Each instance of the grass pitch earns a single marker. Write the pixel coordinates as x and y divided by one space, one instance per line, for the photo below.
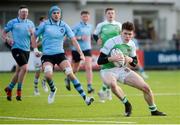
69 108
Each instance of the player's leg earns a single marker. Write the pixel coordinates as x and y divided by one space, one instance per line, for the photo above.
21 58
48 73
43 80
110 78
104 93
36 80
89 73
37 66
21 77
75 66
134 80
66 66
11 85
44 86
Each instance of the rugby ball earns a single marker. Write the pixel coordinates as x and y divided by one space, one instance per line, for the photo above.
117 51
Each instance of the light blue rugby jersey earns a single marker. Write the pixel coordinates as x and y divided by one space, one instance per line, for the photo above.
83 29
53 36
20 32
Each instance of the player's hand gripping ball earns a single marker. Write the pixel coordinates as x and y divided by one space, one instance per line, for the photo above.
117 51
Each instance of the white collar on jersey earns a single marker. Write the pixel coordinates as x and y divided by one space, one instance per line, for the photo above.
110 22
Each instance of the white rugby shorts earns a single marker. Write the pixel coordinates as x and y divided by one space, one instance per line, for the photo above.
119 73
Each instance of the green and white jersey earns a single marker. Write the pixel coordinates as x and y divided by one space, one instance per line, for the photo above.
128 49
39 39
106 30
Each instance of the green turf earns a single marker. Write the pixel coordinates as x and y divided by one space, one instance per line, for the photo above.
69 108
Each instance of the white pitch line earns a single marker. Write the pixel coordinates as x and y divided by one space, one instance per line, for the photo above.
66 120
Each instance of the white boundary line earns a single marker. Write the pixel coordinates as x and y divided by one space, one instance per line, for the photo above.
110 120
66 120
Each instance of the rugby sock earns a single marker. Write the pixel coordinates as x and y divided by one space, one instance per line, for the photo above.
108 87
128 107
127 104
44 80
89 86
19 88
79 88
68 78
51 85
104 87
153 108
124 100
11 86
36 82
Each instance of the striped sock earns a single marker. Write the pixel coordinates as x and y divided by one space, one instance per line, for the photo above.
51 85
79 88
11 86
19 88
36 82
153 108
89 86
124 100
104 87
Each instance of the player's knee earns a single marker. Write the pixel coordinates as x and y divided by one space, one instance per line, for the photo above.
113 86
88 67
68 70
48 70
146 89
24 68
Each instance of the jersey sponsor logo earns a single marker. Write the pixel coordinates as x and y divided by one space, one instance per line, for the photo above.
62 30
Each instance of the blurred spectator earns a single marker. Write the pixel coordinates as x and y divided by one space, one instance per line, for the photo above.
141 32
176 41
151 32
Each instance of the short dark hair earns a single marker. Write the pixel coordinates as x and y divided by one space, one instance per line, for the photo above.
41 18
23 6
128 26
107 9
84 12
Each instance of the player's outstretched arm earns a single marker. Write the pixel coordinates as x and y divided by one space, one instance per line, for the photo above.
75 43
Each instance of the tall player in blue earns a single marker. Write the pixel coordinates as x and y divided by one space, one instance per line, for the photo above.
53 31
22 34
83 31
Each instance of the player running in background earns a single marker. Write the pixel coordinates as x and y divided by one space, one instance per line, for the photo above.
22 33
38 65
105 30
83 31
53 31
110 74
